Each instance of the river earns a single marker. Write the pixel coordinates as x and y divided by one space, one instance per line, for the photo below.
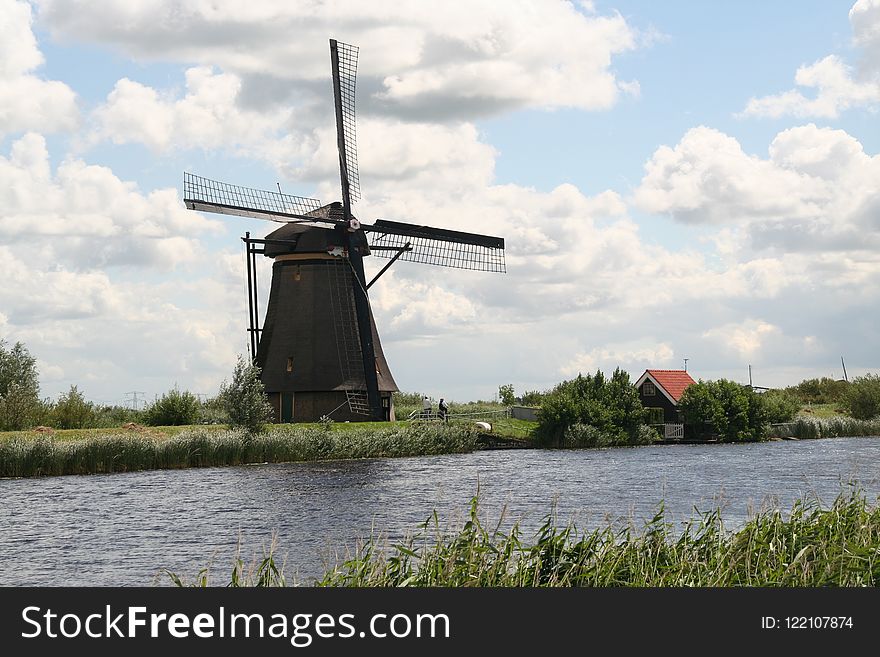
123 529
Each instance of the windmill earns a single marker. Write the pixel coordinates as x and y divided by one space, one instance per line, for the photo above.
318 348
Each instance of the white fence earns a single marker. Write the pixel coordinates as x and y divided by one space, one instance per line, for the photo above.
673 431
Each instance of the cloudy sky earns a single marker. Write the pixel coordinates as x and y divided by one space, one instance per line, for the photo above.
674 180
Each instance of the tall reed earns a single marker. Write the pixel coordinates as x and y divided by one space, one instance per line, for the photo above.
812 546
34 457
806 428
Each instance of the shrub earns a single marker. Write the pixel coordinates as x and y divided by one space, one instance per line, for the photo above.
586 435
213 411
532 398
780 405
735 412
116 416
506 394
406 402
72 411
244 399
173 408
862 398
610 405
819 391
19 387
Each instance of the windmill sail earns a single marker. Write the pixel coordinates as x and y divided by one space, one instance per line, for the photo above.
343 59
215 196
437 246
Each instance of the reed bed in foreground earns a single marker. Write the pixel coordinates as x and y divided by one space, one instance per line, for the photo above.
811 546
34 457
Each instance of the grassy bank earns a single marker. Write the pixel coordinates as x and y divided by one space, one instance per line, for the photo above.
822 410
65 435
811 546
34 456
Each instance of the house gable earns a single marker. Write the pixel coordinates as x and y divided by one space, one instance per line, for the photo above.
670 383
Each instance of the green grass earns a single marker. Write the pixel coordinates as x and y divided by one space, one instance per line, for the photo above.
811 546
509 427
64 435
822 411
28 456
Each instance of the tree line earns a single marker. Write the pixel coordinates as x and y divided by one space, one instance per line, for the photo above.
241 401
595 410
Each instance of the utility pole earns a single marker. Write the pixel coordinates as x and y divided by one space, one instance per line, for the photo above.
132 398
750 375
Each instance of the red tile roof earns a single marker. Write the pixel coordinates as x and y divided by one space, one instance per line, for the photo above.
673 381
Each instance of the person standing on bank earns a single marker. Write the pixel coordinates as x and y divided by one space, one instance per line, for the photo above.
443 410
426 407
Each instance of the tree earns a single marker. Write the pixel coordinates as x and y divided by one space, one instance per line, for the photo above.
532 398
245 399
19 387
862 398
780 405
72 411
819 391
733 411
611 406
506 395
173 408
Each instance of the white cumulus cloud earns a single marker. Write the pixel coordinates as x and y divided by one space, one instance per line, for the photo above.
27 102
816 191
835 86
456 61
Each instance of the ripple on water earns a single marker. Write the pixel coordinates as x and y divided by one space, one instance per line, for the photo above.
123 529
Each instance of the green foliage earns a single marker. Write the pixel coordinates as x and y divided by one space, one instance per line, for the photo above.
862 398
173 408
406 402
19 388
115 416
611 406
532 398
213 411
819 391
734 412
780 405
506 394
244 399
413 399
72 411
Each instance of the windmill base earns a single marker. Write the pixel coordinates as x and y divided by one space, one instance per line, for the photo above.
311 406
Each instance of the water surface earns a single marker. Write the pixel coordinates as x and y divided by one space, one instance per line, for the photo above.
122 529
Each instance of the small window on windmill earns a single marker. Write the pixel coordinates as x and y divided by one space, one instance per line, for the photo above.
296 274
648 389
378 371
290 363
